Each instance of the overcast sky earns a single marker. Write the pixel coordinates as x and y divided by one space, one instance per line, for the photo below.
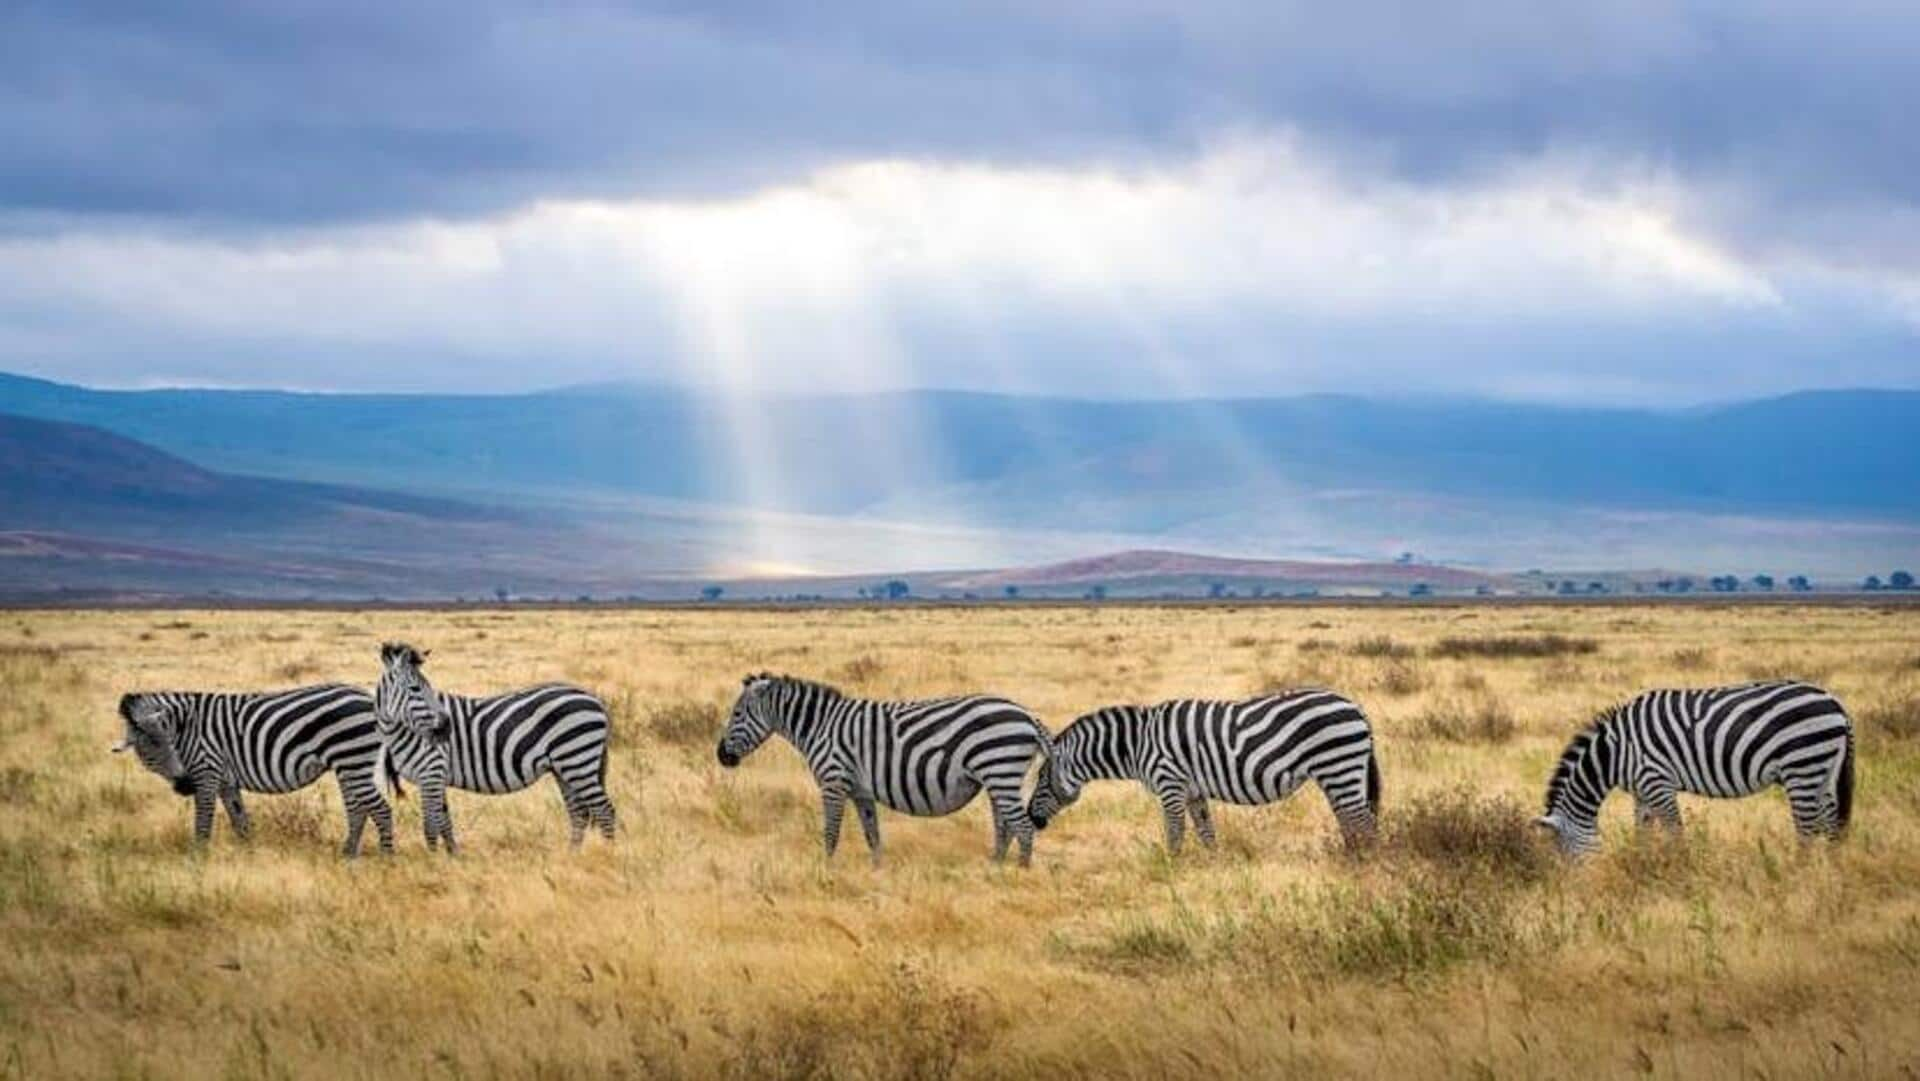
1635 202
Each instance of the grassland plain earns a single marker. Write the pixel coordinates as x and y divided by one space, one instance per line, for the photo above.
712 939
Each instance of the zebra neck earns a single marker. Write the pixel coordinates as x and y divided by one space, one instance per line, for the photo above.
1108 746
1589 770
804 721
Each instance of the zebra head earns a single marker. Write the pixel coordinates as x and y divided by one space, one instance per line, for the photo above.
1579 785
755 715
1061 775
1053 792
405 698
151 733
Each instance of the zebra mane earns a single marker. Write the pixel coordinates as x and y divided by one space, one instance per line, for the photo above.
1576 752
389 651
800 682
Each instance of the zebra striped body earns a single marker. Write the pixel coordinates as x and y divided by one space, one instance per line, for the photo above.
216 746
924 758
1721 741
1189 751
494 745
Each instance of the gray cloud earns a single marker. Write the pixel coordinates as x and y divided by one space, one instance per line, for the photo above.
239 112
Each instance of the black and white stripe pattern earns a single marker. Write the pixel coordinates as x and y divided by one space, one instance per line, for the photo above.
925 758
216 746
1189 751
1721 741
501 743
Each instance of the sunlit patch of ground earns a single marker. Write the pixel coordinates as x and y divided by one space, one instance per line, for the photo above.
713 939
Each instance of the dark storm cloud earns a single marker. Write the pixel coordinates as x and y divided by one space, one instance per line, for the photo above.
298 112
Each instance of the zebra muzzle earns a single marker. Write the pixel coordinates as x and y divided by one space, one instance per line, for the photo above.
727 758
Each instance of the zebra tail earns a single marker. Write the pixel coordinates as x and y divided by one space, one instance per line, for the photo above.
385 777
1043 737
1843 788
1373 781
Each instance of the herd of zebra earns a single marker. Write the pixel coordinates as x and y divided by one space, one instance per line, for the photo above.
933 757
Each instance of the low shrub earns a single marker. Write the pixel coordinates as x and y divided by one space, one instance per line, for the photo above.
1505 646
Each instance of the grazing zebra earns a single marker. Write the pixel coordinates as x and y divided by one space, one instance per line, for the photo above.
497 744
1188 751
220 745
925 758
1721 741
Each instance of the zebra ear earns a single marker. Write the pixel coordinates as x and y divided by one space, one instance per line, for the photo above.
418 657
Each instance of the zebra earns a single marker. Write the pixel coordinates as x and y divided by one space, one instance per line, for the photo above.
217 745
497 744
928 757
1187 751
1719 741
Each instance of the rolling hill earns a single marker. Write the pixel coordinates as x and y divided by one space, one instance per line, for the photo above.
669 482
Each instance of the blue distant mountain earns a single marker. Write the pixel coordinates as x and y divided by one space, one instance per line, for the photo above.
1815 453
618 488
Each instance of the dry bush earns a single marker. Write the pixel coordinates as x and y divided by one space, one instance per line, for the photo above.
860 670
1691 658
299 670
905 1022
685 722
298 819
1241 641
1506 646
1401 678
1482 720
1898 719
1314 645
1416 923
1381 646
1460 830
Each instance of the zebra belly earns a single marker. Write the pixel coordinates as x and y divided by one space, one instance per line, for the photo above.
297 774
957 793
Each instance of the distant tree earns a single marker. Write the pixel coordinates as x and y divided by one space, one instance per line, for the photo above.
1097 593
584 598
1596 587
1763 581
1872 582
1217 590
1899 580
1257 591
1724 583
711 593
896 589
1568 588
1011 592
1664 585
500 593
1404 558
1683 584
1799 583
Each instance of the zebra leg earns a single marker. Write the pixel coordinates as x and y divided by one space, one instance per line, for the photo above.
869 825
1010 821
576 812
586 794
1345 789
1202 819
439 820
1814 815
205 792
833 804
362 800
236 812
1173 807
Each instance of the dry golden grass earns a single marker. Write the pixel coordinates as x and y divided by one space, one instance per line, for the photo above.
712 940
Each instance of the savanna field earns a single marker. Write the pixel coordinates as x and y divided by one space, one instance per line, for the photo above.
712 939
